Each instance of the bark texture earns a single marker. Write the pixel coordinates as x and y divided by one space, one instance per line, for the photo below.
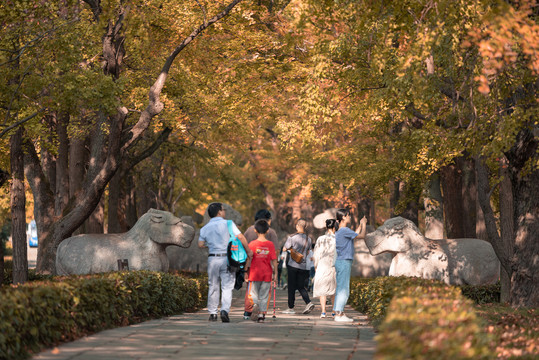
525 270
18 213
434 215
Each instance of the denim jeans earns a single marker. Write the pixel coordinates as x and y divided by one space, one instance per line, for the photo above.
343 269
219 278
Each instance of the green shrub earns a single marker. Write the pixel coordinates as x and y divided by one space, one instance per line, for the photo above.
372 297
482 294
40 314
32 275
431 322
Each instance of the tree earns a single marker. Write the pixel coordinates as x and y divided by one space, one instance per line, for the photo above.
113 133
455 79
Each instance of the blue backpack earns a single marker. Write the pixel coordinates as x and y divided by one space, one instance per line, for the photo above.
236 254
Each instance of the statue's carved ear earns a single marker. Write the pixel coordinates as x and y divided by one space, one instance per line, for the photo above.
155 218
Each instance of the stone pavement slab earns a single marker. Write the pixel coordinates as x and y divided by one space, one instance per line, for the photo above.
190 335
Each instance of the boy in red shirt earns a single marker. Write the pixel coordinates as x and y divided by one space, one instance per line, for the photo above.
263 271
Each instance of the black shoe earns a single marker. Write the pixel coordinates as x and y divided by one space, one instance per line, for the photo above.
213 317
224 316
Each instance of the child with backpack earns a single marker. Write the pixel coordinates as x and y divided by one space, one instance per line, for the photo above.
262 271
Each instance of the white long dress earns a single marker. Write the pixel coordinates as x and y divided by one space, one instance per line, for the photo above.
324 257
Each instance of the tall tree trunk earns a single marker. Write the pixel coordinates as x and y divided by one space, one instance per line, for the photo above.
130 202
434 214
43 200
480 227
468 215
113 221
525 275
18 212
394 196
364 209
507 227
95 222
48 159
451 179
77 168
4 237
2 254
62 165
410 210
373 213
119 202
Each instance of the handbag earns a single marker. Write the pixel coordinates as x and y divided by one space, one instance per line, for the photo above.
296 256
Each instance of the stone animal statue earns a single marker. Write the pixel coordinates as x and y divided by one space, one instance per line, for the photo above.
456 262
192 258
143 246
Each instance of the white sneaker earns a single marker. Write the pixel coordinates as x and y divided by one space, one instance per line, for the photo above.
308 308
322 315
343 318
289 311
255 312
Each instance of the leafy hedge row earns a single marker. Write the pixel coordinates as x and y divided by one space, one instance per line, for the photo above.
41 314
372 296
432 323
422 319
32 275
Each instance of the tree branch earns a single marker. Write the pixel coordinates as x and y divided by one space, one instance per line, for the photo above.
133 161
155 106
18 123
203 11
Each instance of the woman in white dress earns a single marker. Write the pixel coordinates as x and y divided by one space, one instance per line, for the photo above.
324 258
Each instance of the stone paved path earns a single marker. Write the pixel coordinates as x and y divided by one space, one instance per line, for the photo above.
191 336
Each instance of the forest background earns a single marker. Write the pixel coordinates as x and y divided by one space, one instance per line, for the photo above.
420 108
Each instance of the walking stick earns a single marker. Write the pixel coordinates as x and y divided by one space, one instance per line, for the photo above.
274 301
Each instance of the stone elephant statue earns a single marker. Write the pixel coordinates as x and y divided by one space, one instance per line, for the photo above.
143 246
454 261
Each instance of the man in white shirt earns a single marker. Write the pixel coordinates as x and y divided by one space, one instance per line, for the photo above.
214 235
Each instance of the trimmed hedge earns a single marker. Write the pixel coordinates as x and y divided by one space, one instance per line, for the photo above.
42 314
372 296
432 323
482 294
32 275
422 319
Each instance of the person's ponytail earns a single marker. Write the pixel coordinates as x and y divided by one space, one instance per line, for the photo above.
332 224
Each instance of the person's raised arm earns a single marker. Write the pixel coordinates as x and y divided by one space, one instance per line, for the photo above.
362 228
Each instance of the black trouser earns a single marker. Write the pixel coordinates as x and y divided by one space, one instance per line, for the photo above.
279 272
296 281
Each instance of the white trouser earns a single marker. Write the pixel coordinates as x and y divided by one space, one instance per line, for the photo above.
260 294
219 275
